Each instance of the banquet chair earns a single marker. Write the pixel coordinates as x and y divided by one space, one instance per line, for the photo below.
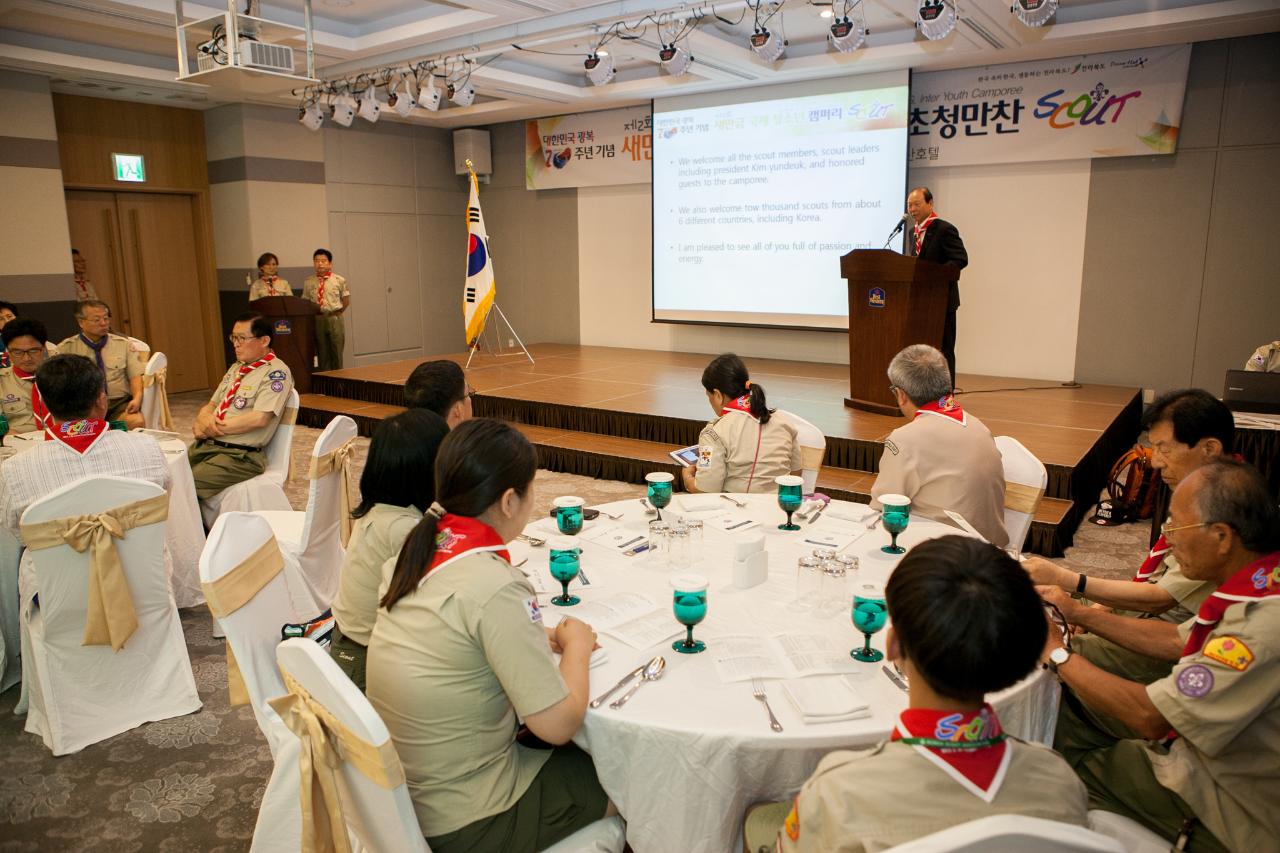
1010 833
317 537
1025 479
265 491
813 444
138 345
155 399
81 694
1133 836
10 632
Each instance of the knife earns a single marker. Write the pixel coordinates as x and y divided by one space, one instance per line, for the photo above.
599 700
893 676
819 512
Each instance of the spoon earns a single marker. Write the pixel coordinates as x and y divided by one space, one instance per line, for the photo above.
638 672
652 672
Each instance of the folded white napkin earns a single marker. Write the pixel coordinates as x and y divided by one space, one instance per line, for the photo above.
691 503
826 699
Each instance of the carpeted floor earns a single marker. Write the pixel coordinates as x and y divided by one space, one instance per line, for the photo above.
195 782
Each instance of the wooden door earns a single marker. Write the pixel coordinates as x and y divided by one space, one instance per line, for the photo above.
95 231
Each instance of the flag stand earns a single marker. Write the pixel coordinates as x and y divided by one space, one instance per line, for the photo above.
483 339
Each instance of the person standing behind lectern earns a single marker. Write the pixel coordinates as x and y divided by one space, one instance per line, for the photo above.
937 240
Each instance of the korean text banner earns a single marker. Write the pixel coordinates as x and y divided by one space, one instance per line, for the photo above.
589 149
1101 105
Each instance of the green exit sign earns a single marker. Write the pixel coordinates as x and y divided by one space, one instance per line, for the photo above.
129 167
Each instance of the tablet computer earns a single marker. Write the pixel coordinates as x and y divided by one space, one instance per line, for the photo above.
686 456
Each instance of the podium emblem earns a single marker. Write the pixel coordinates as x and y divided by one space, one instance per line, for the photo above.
875 297
283 327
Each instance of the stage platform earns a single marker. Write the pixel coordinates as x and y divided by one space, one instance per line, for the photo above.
614 413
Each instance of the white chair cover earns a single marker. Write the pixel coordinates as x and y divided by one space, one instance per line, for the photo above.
155 399
1133 836
1012 834
314 537
10 624
1025 479
265 491
813 444
607 835
80 695
139 345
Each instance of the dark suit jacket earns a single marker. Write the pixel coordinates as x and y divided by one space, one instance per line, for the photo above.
942 245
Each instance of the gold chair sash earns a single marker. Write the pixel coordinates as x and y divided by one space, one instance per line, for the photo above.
110 618
158 379
1022 498
326 745
234 590
811 457
339 460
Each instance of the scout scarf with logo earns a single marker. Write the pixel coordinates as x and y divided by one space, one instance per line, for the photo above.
245 370
968 747
1154 558
920 229
1259 579
741 404
78 435
458 536
321 278
43 419
945 407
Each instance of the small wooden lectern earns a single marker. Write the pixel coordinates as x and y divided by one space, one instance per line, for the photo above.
293 336
894 301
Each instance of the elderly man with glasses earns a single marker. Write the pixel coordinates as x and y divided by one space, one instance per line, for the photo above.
121 363
235 425
26 342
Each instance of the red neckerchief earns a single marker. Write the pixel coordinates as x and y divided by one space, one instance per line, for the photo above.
1259 579
945 407
980 756
321 278
78 435
741 404
921 228
458 536
38 409
82 287
245 370
1154 558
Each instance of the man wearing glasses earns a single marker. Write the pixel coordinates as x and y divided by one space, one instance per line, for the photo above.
26 342
121 364
235 425
440 387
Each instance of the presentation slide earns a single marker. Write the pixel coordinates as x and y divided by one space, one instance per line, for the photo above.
757 194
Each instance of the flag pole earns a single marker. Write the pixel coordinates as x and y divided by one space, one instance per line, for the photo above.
479 290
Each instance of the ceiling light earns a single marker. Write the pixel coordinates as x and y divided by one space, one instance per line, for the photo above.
600 70
370 106
429 98
1034 13
464 96
311 117
402 100
768 46
847 36
936 19
825 13
344 109
675 60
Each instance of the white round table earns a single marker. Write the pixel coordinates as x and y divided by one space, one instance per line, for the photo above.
686 756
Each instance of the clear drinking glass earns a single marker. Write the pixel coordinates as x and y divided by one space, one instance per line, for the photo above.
835 588
568 511
660 542
695 528
679 547
808 584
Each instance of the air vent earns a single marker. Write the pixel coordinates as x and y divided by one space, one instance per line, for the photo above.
272 57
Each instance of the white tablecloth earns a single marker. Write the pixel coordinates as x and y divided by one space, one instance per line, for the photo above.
688 754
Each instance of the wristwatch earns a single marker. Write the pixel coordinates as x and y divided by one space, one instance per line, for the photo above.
1058 657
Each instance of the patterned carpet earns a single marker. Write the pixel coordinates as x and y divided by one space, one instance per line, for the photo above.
195 782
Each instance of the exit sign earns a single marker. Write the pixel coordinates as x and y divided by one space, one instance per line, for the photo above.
129 167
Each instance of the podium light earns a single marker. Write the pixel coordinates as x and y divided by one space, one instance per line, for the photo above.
370 106
429 98
464 96
936 19
1034 13
311 117
600 69
402 100
768 46
847 36
344 109
674 60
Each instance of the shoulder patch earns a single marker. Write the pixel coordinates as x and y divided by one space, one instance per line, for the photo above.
711 434
1230 651
1195 681
705 452
276 374
792 823
531 608
891 447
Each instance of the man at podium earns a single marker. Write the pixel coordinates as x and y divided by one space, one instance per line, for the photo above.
937 240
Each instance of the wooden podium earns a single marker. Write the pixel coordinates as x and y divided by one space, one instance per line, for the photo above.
894 301
293 336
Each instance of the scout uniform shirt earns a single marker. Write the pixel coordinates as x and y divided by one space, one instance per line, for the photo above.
736 453
335 287
19 398
121 360
945 459
1223 701
875 799
264 389
1265 359
274 286
450 666
377 538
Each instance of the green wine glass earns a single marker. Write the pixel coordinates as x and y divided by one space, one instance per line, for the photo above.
869 615
896 514
565 562
568 510
659 490
790 497
689 602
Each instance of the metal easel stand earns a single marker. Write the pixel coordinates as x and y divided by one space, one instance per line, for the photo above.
482 339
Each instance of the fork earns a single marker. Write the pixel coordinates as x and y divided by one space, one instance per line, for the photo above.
612 516
757 690
531 540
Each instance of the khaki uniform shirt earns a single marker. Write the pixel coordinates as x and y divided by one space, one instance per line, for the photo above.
875 799
335 287
738 454
449 668
122 361
1224 703
261 289
1188 594
85 290
377 538
941 464
15 401
1265 359
264 389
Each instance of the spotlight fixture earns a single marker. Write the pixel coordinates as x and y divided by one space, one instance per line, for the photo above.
402 100
936 19
463 96
600 69
825 13
344 109
311 116
674 60
429 98
847 36
1034 13
768 46
370 106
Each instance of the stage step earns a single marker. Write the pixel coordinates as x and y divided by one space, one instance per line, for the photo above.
628 460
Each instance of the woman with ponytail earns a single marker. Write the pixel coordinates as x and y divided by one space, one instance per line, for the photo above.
745 447
459 651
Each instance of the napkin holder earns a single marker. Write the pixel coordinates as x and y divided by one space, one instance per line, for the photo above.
750 562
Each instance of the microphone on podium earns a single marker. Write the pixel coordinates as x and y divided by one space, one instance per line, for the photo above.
897 228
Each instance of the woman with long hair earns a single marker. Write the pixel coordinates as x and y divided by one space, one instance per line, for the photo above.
745 447
459 652
396 487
